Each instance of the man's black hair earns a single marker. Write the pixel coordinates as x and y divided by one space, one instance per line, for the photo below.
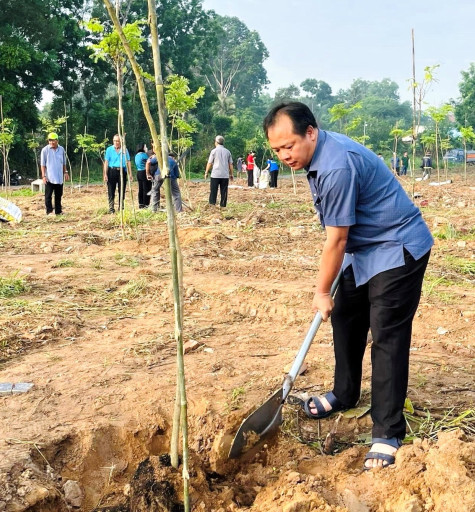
300 115
140 148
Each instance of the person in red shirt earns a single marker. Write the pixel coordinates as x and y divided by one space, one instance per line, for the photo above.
250 169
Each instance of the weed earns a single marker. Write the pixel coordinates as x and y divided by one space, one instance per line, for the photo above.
22 192
97 263
21 306
65 263
448 232
421 380
237 396
126 261
274 205
239 208
11 286
142 216
461 265
427 425
135 289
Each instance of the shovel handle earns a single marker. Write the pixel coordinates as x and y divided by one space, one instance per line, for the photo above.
302 353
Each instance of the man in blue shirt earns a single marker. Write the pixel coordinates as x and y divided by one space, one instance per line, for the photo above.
53 172
273 168
116 166
377 235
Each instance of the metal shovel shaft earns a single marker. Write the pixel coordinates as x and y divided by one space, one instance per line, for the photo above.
303 351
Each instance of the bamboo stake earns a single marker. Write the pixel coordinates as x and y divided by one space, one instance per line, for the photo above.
414 128
163 164
6 170
175 252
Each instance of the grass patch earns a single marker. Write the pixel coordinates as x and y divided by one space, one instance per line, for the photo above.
17 306
141 216
126 261
21 192
237 396
135 288
448 232
97 263
461 265
65 263
425 425
239 208
12 286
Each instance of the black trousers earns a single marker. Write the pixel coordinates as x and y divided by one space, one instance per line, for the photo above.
113 183
386 305
57 189
273 179
222 184
145 186
250 178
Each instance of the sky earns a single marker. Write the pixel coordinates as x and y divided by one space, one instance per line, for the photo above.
338 41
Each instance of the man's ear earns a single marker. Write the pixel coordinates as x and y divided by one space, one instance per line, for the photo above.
311 132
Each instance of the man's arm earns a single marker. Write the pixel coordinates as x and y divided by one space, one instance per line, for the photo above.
231 174
43 172
129 169
106 168
208 167
147 170
65 173
330 263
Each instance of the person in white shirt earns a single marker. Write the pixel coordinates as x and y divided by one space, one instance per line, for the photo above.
221 163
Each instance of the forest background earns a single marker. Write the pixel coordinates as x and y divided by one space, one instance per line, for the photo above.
46 45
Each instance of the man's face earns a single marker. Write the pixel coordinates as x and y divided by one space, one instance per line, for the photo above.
294 150
116 142
53 143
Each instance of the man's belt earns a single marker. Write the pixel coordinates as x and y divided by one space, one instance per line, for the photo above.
117 168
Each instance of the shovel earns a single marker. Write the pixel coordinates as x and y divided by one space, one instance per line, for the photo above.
267 419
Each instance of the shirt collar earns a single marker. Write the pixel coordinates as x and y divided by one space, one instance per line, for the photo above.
313 165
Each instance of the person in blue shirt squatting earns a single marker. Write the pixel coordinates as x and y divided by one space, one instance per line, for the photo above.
116 161
154 175
378 237
145 185
273 168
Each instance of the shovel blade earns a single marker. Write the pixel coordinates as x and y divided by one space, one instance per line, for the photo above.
264 421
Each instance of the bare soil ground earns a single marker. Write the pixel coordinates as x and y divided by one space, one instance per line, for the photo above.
94 332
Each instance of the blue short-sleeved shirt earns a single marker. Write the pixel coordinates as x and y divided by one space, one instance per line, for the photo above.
273 165
352 187
173 166
140 161
113 158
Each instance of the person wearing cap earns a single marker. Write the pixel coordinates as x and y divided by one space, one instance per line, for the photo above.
116 161
221 163
377 237
53 172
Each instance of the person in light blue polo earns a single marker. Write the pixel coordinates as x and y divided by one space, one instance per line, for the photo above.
116 167
376 234
53 172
